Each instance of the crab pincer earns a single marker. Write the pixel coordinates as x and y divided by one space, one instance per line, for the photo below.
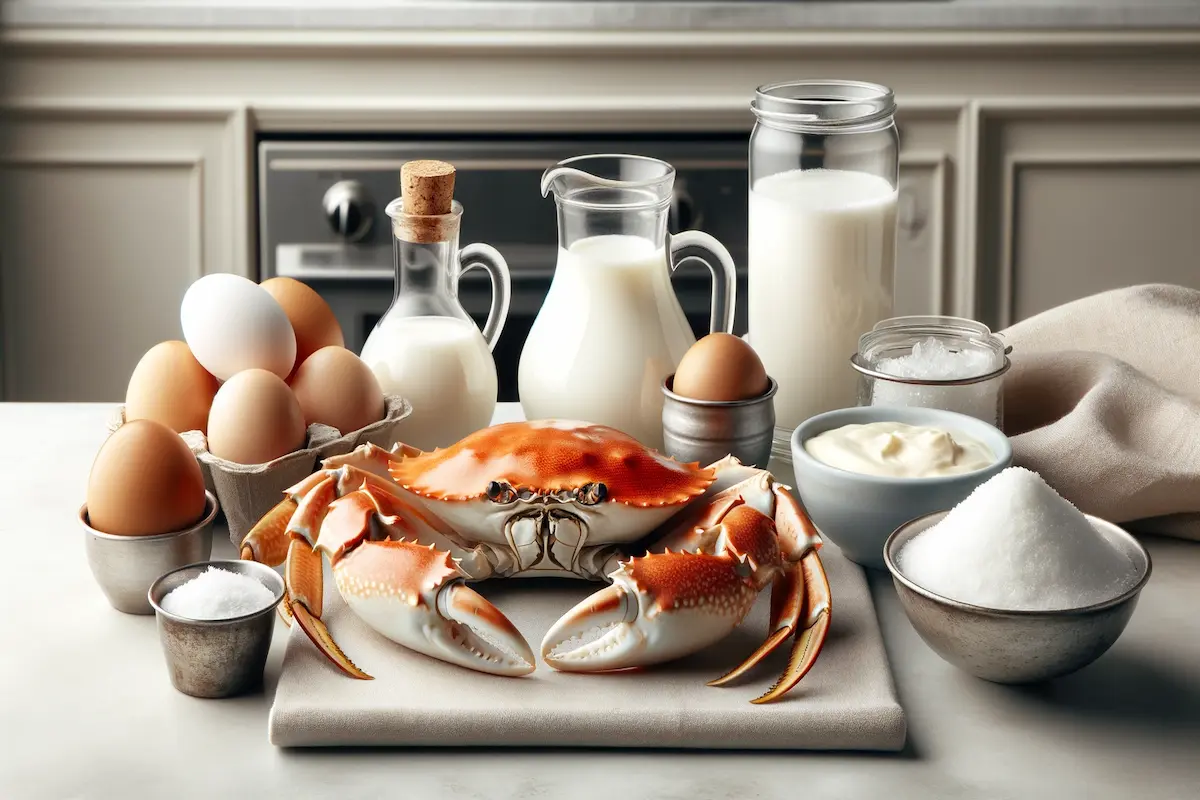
669 604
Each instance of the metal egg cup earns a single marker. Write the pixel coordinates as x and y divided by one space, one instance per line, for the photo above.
708 430
220 657
126 566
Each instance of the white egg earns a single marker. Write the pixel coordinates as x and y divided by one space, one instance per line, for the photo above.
231 324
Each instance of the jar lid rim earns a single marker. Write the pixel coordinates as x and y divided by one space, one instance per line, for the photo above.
823 103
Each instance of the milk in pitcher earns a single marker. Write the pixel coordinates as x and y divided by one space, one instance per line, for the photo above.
821 255
608 334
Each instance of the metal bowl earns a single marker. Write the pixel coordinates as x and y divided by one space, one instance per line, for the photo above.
708 430
219 657
1016 646
125 566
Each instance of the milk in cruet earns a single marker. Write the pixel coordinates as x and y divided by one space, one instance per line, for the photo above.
426 347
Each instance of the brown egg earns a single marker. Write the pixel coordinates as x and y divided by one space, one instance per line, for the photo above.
311 317
336 388
144 481
169 386
255 418
722 367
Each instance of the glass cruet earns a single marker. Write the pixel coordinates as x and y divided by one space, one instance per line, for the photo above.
426 347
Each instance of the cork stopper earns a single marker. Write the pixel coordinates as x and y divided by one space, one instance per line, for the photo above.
427 191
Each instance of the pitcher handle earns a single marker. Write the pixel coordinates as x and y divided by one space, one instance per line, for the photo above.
488 259
704 248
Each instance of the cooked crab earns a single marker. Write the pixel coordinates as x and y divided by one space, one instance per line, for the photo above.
405 531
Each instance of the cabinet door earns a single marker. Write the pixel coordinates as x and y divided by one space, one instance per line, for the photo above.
1083 201
925 229
107 220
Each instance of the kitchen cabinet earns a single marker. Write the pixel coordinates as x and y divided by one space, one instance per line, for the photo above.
107 221
1036 166
1083 200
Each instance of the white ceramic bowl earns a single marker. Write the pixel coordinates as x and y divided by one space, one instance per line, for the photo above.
858 512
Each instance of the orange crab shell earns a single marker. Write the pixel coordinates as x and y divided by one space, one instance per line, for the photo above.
553 456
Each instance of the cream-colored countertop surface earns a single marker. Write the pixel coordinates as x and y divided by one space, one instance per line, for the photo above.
87 709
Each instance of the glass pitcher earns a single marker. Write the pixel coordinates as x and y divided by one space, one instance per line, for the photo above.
426 347
611 329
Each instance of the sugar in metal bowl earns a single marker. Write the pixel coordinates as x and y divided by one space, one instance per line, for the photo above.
1016 646
126 566
216 657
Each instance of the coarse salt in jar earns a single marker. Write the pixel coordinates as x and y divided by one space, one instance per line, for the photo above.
949 363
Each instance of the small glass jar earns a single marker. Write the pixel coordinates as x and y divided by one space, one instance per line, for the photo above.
949 363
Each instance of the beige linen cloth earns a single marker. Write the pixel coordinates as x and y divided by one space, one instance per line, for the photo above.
1103 399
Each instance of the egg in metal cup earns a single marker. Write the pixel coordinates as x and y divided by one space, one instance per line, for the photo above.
126 566
719 402
708 430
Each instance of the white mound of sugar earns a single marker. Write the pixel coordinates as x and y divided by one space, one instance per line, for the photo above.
1016 544
217 594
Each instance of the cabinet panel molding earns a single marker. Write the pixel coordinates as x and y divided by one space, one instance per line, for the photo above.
79 309
162 195
1100 134
934 223
1010 223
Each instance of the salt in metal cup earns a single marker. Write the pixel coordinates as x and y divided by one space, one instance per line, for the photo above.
708 430
126 566
219 657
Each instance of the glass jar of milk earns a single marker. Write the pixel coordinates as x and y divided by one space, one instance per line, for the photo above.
823 176
426 347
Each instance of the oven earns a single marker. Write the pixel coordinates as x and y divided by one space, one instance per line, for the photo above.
321 219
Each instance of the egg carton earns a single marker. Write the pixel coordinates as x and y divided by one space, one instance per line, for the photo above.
248 491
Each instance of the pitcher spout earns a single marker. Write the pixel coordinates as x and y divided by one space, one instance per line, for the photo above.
610 180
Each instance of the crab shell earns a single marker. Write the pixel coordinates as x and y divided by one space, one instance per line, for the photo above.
547 463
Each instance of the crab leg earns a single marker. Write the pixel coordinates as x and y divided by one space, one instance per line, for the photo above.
304 584
802 585
411 593
816 625
666 605
787 601
750 533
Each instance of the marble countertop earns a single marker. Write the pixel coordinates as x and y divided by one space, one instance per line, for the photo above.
643 15
88 709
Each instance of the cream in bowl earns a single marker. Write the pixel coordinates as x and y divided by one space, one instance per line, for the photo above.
1015 584
899 450
864 471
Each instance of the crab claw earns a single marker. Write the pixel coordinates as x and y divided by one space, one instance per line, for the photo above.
413 595
659 607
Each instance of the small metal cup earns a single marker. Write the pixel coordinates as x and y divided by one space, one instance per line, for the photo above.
125 566
220 657
708 430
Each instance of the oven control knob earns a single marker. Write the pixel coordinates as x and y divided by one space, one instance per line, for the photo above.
348 209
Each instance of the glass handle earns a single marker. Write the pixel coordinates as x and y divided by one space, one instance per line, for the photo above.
488 259
710 252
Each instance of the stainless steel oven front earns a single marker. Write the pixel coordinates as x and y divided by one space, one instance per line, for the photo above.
321 219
